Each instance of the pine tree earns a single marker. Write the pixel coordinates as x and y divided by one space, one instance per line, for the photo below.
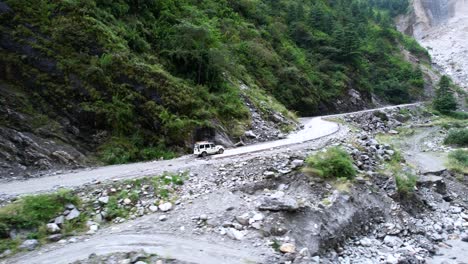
444 100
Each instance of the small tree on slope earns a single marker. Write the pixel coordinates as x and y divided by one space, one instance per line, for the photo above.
444 100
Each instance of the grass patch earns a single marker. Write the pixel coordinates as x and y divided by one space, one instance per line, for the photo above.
458 161
31 214
406 183
457 137
331 164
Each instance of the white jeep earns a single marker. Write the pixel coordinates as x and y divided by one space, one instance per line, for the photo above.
202 149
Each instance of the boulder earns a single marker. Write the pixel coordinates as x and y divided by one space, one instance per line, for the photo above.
165 207
287 248
279 204
52 228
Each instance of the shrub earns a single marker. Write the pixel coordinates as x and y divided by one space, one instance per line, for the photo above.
460 156
444 100
405 183
457 137
458 162
334 163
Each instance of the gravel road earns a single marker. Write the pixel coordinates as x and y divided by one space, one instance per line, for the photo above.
314 128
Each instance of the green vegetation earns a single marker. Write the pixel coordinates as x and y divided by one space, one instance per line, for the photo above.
457 137
31 214
333 163
458 161
405 183
151 72
444 100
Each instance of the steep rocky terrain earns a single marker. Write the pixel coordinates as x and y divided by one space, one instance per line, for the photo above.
90 82
269 209
442 27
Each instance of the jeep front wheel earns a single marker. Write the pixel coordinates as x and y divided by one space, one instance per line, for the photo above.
204 154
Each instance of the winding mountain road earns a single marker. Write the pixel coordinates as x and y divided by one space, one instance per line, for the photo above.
314 128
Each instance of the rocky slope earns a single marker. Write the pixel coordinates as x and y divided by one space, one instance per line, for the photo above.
442 27
266 209
119 82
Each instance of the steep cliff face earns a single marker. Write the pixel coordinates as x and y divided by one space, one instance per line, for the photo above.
442 27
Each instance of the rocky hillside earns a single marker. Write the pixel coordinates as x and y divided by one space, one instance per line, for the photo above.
441 26
122 81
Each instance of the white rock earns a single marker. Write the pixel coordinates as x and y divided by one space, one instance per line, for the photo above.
127 201
163 218
153 208
104 199
165 207
234 234
53 228
243 219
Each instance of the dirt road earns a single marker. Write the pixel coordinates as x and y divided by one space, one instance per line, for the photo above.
314 128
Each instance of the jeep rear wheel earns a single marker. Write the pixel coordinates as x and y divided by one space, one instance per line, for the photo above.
221 151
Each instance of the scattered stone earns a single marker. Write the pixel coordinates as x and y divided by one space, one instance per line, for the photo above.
127 201
243 219
54 237
163 218
393 241
165 207
287 248
234 234
52 228
29 244
104 199
279 204
73 214
297 163
59 220
153 208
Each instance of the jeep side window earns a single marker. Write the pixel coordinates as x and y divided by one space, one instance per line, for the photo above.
202 146
212 145
207 146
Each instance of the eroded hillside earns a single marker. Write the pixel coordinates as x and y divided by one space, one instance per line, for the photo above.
122 81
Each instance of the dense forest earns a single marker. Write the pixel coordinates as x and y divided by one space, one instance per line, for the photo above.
149 72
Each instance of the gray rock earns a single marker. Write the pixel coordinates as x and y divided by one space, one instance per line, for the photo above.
54 237
73 214
29 244
243 219
59 220
279 204
393 241
297 163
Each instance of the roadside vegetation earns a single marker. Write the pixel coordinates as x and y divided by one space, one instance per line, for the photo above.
27 217
457 137
149 73
334 163
458 162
